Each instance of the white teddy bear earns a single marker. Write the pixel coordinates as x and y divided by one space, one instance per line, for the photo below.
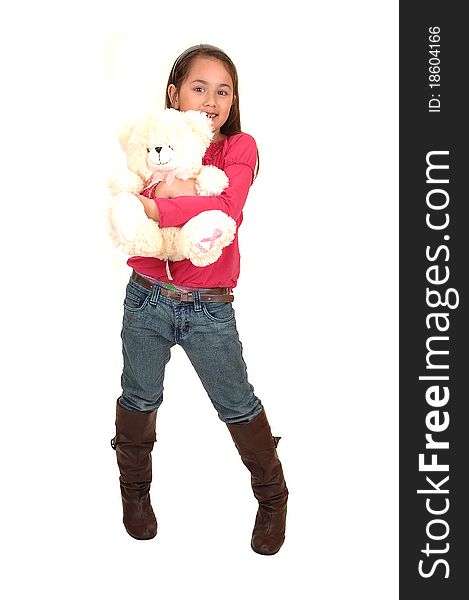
161 148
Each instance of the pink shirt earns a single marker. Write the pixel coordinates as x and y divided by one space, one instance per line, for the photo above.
236 155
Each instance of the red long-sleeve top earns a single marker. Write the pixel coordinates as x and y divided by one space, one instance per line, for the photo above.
236 155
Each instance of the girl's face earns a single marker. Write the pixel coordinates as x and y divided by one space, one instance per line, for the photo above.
208 87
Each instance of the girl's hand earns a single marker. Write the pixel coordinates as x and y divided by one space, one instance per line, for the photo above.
151 210
179 187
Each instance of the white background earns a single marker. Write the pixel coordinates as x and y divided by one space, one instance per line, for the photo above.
318 91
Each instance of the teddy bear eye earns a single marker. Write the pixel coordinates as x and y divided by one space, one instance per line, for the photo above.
148 149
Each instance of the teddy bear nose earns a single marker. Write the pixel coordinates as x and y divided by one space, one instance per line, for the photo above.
158 148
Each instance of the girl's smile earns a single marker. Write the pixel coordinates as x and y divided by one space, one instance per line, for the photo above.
208 87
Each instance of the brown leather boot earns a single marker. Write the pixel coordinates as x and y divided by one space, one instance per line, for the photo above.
133 443
257 448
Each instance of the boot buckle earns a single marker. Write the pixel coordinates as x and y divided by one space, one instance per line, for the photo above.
113 443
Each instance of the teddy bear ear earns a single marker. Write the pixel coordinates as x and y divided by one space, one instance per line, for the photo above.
124 134
134 131
133 140
200 123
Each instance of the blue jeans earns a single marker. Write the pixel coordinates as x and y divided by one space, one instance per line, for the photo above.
206 331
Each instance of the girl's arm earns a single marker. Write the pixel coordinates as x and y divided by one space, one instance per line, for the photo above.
179 187
162 190
239 166
151 210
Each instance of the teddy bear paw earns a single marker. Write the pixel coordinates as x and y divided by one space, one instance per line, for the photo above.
204 237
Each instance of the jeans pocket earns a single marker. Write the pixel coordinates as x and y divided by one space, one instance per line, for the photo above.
136 297
219 312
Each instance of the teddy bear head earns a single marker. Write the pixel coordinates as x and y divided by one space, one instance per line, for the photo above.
167 145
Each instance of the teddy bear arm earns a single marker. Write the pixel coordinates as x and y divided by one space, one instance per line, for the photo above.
125 180
131 230
211 181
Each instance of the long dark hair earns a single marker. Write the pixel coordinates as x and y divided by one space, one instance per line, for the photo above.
179 73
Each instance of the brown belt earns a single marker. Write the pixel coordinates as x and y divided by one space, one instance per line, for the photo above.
206 294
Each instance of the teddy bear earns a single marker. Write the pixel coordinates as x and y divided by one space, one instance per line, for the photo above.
163 147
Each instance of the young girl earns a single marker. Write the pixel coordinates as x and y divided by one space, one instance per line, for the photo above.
179 303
